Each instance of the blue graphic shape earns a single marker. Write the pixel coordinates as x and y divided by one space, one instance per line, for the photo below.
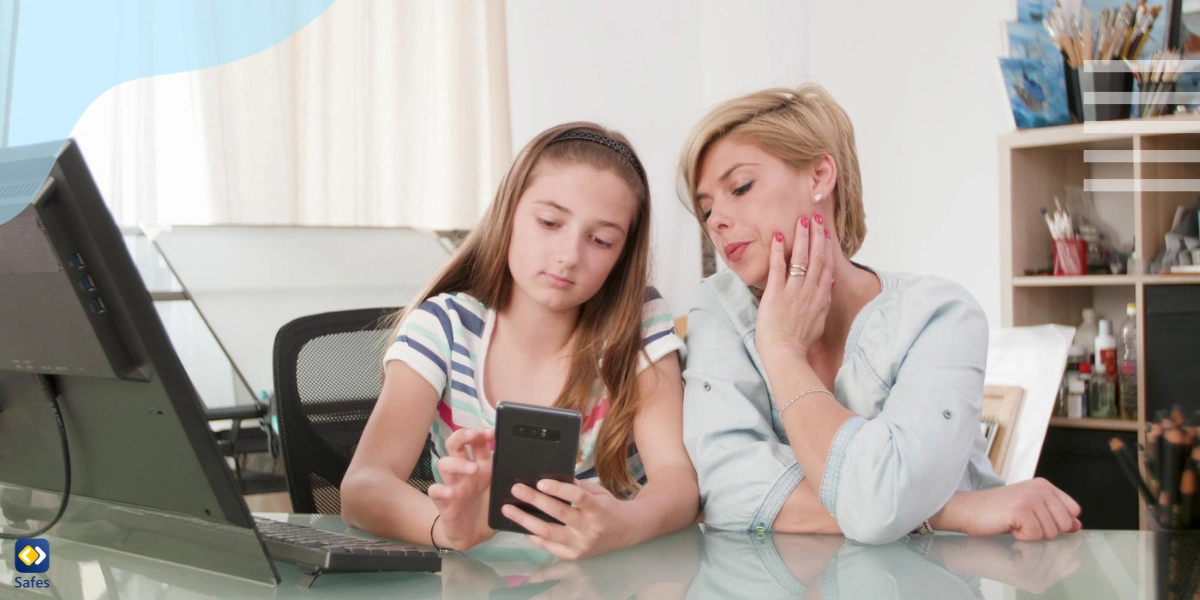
69 52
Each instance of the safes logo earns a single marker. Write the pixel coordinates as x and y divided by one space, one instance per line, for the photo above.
33 555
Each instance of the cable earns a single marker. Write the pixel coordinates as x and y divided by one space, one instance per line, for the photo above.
51 390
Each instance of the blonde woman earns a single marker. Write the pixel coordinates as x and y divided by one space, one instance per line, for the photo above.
824 396
545 303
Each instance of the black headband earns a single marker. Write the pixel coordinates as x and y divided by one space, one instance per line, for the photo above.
603 140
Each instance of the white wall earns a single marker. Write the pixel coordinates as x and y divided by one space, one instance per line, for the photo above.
649 70
922 87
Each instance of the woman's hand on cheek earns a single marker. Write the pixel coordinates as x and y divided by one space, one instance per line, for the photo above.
462 497
593 519
791 315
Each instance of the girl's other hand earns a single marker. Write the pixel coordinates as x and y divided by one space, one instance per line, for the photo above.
462 497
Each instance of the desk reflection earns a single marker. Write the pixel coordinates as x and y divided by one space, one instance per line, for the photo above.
829 567
509 568
690 564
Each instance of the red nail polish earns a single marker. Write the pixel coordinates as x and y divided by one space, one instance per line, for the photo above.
778 236
818 219
832 285
804 222
826 234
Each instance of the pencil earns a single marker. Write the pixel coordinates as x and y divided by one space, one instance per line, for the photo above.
1187 497
1129 466
1195 464
1153 452
1173 464
1164 510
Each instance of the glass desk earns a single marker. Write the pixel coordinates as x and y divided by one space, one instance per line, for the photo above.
688 564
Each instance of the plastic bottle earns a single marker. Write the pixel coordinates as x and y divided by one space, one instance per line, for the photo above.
1102 393
1077 395
1075 356
1127 376
1075 402
1085 335
1106 350
1134 266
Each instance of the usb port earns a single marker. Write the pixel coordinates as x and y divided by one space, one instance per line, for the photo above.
77 261
87 283
98 306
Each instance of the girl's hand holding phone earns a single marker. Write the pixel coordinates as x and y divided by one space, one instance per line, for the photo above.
462 497
594 521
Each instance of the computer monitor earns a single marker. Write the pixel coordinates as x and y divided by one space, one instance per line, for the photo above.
147 477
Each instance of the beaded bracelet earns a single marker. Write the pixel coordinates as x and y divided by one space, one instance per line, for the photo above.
803 394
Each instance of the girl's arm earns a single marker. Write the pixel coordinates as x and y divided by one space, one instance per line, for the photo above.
376 496
670 500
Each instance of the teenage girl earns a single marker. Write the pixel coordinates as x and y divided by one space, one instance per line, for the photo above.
545 303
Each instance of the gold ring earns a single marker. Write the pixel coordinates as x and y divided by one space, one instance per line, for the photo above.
797 270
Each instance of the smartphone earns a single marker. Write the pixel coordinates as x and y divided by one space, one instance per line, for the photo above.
532 443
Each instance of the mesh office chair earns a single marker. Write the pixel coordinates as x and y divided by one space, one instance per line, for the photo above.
328 374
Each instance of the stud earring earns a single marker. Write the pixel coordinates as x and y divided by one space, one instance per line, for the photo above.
818 197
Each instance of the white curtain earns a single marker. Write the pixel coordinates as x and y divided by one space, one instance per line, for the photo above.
144 146
376 113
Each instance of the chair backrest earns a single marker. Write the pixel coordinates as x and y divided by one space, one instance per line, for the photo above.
328 374
1001 406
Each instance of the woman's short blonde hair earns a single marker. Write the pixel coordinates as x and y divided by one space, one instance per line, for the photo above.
797 126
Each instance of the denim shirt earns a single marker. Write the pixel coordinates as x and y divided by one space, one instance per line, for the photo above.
912 372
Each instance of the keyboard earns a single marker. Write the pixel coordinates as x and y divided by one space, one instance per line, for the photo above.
318 551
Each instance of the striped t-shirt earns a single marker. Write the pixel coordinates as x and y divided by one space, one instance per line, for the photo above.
446 341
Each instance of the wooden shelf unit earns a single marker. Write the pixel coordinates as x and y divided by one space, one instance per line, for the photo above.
1104 280
1098 424
1037 165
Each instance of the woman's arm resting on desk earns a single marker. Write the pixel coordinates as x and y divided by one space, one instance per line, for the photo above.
1030 510
882 477
748 478
803 512
745 473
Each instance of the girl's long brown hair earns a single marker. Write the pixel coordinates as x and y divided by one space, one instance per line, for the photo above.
608 337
